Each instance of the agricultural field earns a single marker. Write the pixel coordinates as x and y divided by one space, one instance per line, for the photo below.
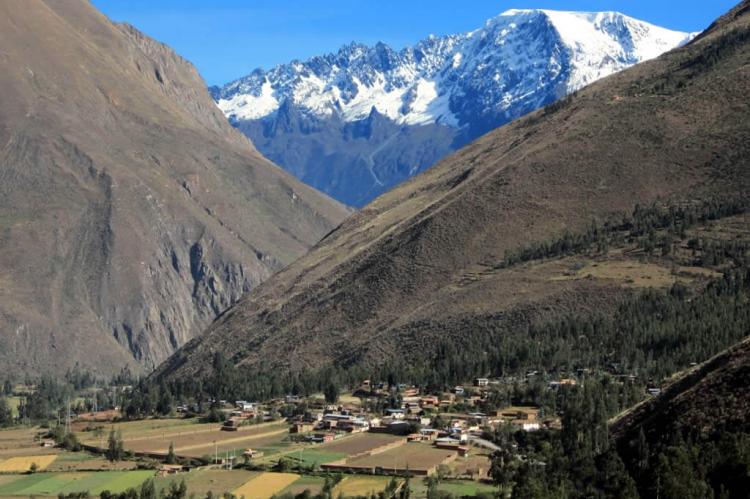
193 439
458 488
201 482
360 485
25 463
414 456
265 485
360 443
92 433
475 466
314 456
52 484
306 482
83 461
22 442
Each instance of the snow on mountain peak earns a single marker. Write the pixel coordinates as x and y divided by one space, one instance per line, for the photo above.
516 62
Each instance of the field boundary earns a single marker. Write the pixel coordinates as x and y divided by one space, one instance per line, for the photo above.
378 450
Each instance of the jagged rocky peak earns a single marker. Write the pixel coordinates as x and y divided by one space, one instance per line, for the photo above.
424 83
440 94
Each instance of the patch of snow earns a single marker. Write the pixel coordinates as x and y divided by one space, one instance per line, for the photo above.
250 107
516 60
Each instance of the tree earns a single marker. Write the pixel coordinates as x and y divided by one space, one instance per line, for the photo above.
676 476
176 491
405 492
7 387
33 468
70 442
171 458
613 479
432 483
6 414
148 490
331 392
214 415
164 406
115 448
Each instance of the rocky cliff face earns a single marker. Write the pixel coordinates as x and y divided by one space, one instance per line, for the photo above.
131 212
435 97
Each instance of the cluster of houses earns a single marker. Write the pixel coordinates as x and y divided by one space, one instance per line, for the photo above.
414 418
419 417
243 411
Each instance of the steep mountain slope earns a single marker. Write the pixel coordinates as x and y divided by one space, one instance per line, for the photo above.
425 260
422 260
692 440
131 212
357 122
703 399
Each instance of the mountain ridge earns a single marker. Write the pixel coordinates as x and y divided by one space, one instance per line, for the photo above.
131 212
425 258
437 95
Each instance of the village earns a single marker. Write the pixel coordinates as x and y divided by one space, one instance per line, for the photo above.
364 439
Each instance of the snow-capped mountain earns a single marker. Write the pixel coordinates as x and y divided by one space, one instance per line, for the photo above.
357 122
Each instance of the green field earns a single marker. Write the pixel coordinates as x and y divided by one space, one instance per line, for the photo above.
458 488
52 484
312 483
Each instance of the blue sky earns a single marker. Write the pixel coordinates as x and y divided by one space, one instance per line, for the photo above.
227 39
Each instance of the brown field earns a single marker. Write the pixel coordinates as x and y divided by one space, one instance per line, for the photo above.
628 272
190 439
82 461
139 430
206 442
415 456
476 465
23 464
359 443
265 485
201 482
354 486
22 442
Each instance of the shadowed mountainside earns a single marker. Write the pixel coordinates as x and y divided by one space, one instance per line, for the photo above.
704 399
131 212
